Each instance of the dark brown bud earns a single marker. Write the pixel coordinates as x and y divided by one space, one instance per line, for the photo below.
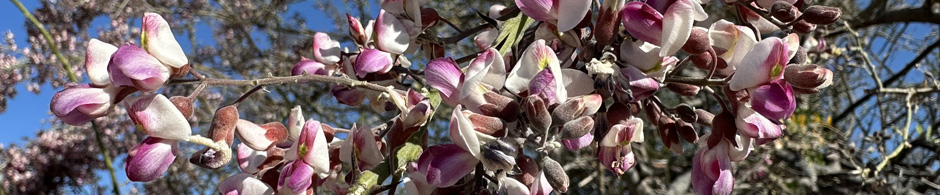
722 64
537 112
683 89
800 57
722 126
606 28
429 17
555 174
328 132
578 106
698 41
500 106
808 76
704 117
529 169
803 27
486 124
577 128
686 131
703 60
686 113
618 112
184 105
821 15
783 11
653 112
223 124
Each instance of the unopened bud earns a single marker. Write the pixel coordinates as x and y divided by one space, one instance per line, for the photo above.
555 174
822 15
223 124
722 127
653 112
578 106
803 27
783 11
800 57
529 169
486 124
429 17
577 128
184 104
703 60
537 112
498 155
500 106
618 112
808 76
683 89
356 32
698 41
686 113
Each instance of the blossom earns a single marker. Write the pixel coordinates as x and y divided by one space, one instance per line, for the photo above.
367 151
325 50
149 160
486 71
373 61
79 104
249 159
711 171
157 38
260 137
764 63
307 66
131 66
312 148
734 41
565 14
615 151
243 183
664 23
296 176
97 56
158 117
537 57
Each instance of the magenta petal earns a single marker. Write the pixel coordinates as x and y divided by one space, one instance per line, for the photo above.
725 181
367 150
577 144
296 176
541 186
307 66
444 75
642 85
149 160
373 60
312 147
642 22
540 10
325 50
544 85
79 104
446 164
774 100
348 96
701 184
764 63
133 67
755 125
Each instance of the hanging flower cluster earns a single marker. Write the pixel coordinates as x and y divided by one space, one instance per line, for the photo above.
567 82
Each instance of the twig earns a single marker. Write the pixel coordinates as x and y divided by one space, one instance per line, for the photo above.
107 158
245 96
697 81
905 133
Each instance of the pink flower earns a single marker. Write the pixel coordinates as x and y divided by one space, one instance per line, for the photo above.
325 50
539 56
773 100
131 66
664 23
79 104
249 159
373 60
444 165
307 66
312 148
97 56
391 35
157 38
158 117
149 160
764 63
367 153
711 170
297 176
260 137
565 14
243 183
615 151
641 85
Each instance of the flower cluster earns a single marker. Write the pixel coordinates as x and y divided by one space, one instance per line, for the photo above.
573 83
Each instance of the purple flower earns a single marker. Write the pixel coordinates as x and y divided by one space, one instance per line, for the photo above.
367 152
444 165
79 104
149 160
307 66
764 63
773 100
297 176
565 14
131 66
373 60
158 117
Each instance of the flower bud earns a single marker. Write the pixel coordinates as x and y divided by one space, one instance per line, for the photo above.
486 124
555 174
686 131
723 126
295 123
821 15
347 95
668 133
223 124
607 22
698 41
686 113
498 155
183 104
808 76
803 27
537 112
783 11
500 106
373 61
578 106
148 160
356 32
418 114
683 89
577 128
799 58
308 66
529 169
618 112
642 22
703 60
704 117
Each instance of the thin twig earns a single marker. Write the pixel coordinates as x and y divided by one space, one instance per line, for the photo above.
106 157
697 81
52 45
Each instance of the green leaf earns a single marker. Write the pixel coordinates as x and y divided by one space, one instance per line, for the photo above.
512 31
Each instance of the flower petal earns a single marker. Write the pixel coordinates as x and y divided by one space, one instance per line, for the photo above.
574 83
536 57
545 86
368 151
325 50
765 62
244 183
373 60
157 38
736 40
391 35
643 22
295 123
446 164
678 20
755 125
296 176
774 100
641 54
133 67
540 186
577 144
463 134
571 12
97 56
307 66
510 186
444 75
258 137
313 149
540 10
148 160
158 117
79 104
249 159
485 39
